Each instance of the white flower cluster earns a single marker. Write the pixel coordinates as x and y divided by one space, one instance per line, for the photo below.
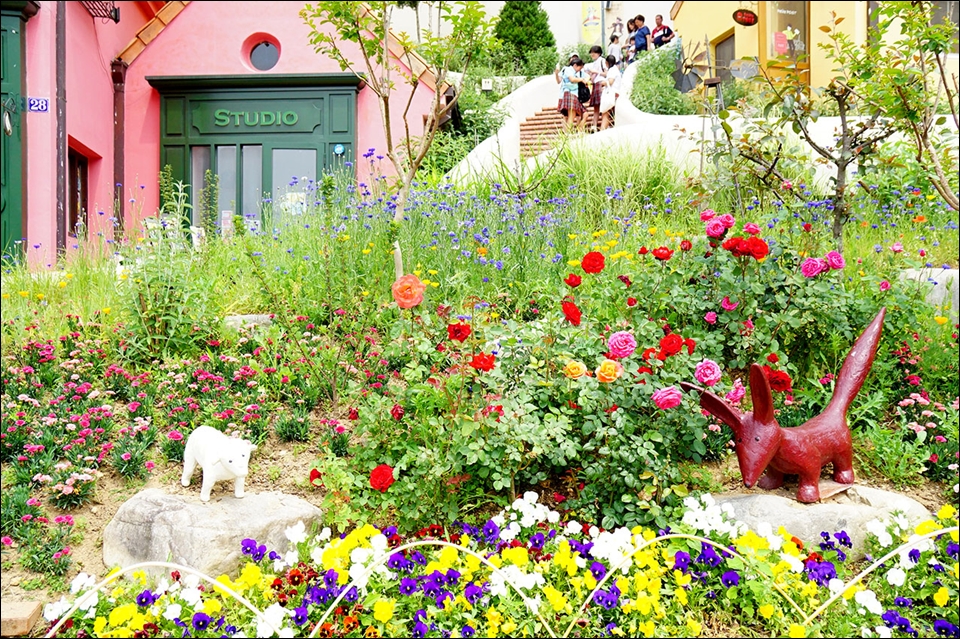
709 516
616 547
517 577
525 512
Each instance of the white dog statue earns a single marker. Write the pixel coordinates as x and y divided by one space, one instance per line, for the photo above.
219 456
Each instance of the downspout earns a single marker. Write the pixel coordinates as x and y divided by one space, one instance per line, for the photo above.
118 72
61 43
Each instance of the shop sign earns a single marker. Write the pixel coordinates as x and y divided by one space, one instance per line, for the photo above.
256 116
225 117
745 17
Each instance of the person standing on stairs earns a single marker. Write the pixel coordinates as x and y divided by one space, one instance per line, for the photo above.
642 40
570 79
610 83
596 70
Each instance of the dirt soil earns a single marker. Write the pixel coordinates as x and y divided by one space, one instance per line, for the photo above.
285 467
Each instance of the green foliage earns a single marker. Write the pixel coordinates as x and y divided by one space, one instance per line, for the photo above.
653 90
45 548
210 203
523 26
18 511
167 188
292 428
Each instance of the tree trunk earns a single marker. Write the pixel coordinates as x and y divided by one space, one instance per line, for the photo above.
397 220
840 206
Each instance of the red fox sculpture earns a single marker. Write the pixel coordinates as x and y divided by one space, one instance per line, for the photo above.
762 445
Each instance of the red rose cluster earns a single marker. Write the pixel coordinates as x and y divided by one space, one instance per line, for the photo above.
483 362
751 246
671 344
571 311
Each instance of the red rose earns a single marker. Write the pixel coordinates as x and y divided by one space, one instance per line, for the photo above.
571 312
647 354
592 262
397 412
772 358
686 245
573 281
631 302
662 253
314 477
626 280
381 478
459 331
491 409
757 248
671 344
483 362
779 380
690 344
645 369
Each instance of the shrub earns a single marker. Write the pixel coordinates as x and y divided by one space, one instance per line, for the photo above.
653 90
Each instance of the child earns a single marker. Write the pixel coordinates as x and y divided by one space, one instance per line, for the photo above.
570 77
614 48
610 83
596 71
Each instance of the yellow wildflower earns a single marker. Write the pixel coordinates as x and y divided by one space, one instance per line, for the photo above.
365 251
797 631
383 610
652 230
940 319
106 310
40 296
573 263
62 284
365 293
24 293
766 611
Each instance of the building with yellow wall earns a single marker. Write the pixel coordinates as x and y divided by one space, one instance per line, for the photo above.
789 29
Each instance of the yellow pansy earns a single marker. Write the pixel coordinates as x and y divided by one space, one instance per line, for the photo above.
947 512
766 611
646 628
927 526
694 627
212 606
797 631
225 580
517 556
942 596
681 596
99 625
508 627
121 614
383 610
557 601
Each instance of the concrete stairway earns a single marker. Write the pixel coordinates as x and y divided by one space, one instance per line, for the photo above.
538 133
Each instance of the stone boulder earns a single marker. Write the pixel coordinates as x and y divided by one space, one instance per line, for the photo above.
849 510
156 526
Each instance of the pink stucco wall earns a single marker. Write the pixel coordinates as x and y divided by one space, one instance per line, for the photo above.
90 46
207 39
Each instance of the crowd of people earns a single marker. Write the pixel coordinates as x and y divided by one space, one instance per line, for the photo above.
589 90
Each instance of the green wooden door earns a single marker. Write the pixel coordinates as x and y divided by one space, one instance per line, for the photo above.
11 140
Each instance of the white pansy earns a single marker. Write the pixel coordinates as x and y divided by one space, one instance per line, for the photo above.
531 497
358 575
533 604
296 533
883 632
292 557
55 610
499 520
379 543
553 516
325 534
835 585
795 564
82 582
868 599
286 632
88 600
191 596
594 531
573 528
896 577
162 586
191 581
316 555
272 620
360 555
172 612
510 532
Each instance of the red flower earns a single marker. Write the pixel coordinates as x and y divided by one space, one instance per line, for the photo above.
690 344
631 302
686 245
671 344
493 410
645 369
662 253
592 262
779 380
458 332
643 251
647 354
573 281
624 279
934 458
772 358
314 477
381 478
808 227
397 412
571 312
757 248
483 362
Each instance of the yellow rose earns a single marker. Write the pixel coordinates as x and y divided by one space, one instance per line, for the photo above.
575 369
609 371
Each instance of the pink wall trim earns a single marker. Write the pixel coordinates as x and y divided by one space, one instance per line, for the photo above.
188 46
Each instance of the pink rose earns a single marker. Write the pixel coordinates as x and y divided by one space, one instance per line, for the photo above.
897 247
668 397
728 220
813 266
715 228
727 305
736 393
884 285
622 344
707 372
751 228
710 317
707 214
834 260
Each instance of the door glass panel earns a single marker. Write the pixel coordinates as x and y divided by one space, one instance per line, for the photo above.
293 171
787 22
227 171
199 163
251 157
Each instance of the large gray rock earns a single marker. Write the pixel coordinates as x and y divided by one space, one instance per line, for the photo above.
849 511
156 526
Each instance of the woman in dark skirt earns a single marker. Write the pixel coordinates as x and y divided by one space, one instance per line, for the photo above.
596 71
569 106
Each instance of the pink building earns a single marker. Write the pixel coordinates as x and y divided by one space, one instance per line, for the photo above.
99 96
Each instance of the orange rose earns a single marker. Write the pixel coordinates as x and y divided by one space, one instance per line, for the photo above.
574 369
408 291
609 371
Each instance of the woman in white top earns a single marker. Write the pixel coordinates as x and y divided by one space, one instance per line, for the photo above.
596 71
611 83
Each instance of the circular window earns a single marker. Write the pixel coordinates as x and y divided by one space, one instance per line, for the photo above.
264 56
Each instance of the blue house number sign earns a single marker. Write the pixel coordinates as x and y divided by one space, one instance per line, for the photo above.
338 149
38 105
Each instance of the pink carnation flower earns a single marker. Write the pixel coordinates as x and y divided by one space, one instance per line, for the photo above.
834 260
621 344
669 397
707 372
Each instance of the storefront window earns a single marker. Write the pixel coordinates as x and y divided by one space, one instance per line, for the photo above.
199 164
251 157
788 32
227 172
294 170
77 205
